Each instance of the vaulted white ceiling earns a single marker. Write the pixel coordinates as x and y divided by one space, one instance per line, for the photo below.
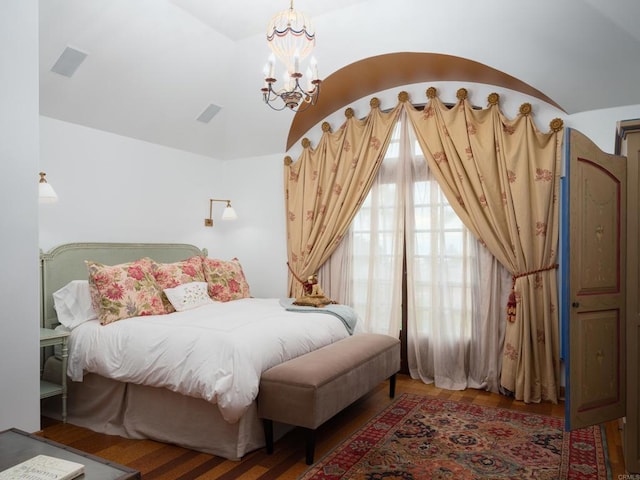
153 66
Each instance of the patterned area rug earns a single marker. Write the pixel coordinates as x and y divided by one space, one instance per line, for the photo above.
420 437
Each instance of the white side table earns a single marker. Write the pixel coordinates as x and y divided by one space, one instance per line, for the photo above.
50 338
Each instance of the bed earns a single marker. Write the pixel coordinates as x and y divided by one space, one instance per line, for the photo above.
189 377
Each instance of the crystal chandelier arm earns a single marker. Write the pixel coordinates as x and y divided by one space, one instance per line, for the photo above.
295 98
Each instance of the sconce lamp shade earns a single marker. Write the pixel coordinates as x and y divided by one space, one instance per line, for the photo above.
46 193
229 213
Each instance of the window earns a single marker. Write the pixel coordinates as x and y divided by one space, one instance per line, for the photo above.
407 209
411 264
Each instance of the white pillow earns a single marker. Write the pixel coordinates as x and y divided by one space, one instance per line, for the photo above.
73 304
188 295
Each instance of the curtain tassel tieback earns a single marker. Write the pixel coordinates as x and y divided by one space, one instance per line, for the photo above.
306 285
512 304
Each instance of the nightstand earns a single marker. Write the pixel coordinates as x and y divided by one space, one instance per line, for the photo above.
51 338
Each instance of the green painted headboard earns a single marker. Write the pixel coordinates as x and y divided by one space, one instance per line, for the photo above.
66 262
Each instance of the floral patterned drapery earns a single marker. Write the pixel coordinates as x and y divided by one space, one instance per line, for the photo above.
327 185
502 178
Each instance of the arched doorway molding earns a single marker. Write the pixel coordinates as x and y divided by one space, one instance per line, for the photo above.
374 74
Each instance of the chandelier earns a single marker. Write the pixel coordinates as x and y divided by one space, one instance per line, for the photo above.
291 37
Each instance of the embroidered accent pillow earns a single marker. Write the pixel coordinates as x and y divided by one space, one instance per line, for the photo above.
170 275
188 295
125 290
226 280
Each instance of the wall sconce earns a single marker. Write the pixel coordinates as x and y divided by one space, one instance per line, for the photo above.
228 214
46 193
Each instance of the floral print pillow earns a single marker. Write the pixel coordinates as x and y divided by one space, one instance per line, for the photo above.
170 275
125 290
226 280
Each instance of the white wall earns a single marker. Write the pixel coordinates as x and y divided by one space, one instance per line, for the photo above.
117 189
19 355
259 238
600 125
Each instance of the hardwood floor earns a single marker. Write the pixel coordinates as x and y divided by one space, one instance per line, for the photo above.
161 461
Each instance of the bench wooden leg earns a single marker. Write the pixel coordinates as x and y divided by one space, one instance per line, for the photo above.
392 385
311 445
268 434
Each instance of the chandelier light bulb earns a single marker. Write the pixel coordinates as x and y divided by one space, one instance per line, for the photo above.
296 61
309 79
272 65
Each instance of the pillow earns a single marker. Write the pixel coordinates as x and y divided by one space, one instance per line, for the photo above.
170 275
73 304
125 290
226 280
188 295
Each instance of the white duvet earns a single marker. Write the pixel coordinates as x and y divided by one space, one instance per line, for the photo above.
215 352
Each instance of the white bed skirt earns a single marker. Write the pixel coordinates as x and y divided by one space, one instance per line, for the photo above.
139 412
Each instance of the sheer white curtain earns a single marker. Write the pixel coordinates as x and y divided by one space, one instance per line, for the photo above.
456 290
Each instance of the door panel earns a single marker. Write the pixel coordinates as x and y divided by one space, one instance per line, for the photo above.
597 246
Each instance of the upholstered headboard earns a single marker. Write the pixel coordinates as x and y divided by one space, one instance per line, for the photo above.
66 262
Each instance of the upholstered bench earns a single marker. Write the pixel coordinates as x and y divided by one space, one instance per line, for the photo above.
310 389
